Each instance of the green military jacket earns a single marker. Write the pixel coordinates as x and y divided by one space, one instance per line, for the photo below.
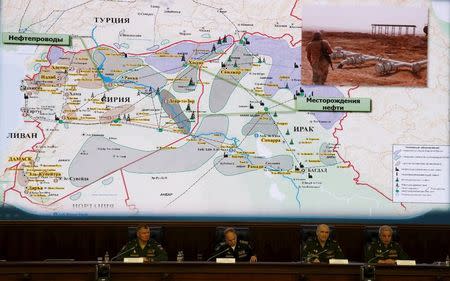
152 250
377 251
242 251
312 250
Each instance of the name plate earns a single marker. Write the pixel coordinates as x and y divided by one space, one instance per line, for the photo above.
225 260
405 262
338 261
133 260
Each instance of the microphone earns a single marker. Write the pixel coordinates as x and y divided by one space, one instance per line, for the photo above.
122 252
218 254
315 255
378 256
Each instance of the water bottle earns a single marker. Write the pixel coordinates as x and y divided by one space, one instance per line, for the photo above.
180 256
447 261
106 258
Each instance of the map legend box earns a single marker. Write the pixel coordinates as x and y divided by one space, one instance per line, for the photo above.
420 173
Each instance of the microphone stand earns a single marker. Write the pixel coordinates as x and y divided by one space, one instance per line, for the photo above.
218 254
123 252
377 256
308 258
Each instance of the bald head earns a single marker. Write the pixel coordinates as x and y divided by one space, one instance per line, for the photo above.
321 227
230 237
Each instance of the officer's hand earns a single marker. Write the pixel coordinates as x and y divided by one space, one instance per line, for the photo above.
253 259
387 261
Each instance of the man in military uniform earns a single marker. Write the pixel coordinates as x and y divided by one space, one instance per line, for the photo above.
317 52
320 248
384 250
143 246
234 248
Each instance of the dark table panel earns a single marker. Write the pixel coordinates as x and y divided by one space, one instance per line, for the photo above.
189 271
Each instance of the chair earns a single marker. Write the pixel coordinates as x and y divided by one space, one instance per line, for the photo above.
371 234
243 233
308 231
156 233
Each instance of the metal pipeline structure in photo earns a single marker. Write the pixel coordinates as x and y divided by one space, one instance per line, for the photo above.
383 67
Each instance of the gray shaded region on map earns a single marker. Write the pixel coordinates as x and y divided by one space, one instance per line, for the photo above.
99 157
190 156
145 76
182 83
326 154
234 166
109 60
174 111
260 123
183 80
223 85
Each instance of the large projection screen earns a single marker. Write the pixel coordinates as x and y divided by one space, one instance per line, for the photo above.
193 110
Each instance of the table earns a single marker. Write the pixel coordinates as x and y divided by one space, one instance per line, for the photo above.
189 271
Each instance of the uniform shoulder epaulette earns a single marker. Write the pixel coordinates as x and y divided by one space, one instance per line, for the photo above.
311 242
310 239
132 242
372 244
152 242
220 245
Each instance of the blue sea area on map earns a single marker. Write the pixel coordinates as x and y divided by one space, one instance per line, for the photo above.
12 69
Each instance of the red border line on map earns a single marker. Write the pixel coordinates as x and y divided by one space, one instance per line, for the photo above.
292 11
349 163
17 165
147 53
126 191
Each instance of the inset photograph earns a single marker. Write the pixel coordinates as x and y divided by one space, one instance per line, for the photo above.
364 45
